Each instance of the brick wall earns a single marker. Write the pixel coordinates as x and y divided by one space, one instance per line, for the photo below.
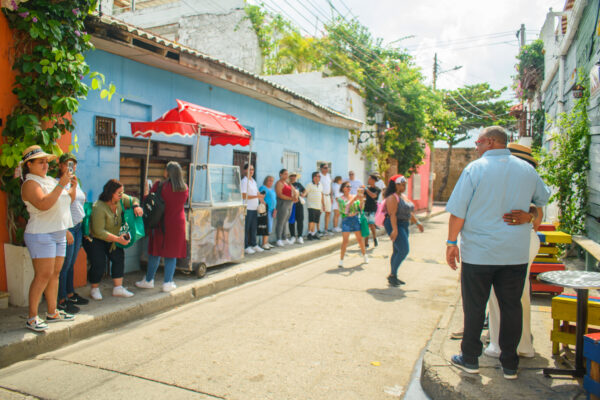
460 158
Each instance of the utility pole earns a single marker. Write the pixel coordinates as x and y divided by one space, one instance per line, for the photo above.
523 119
522 35
435 70
431 150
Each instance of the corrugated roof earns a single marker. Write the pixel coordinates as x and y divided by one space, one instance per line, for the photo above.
142 33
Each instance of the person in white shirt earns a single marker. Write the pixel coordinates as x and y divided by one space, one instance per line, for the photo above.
354 183
315 203
327 197
380 184
335 192
251 198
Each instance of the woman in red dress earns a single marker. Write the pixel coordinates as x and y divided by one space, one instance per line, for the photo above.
168 239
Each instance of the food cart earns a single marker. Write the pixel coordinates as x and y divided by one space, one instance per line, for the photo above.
216 213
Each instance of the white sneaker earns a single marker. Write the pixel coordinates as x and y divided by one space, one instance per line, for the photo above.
341 264
120 291
366 259
95 293
291 240
258 249
492 351
249 250
169 286
329 233
337 229
267 246
280 243
300 240
144 284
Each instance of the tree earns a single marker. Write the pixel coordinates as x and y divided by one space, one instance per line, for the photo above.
474 106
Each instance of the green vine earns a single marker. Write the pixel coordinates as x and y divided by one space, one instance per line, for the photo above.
566 165
50 40
530 70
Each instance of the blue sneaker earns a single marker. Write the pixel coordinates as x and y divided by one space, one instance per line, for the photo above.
458 361
509 373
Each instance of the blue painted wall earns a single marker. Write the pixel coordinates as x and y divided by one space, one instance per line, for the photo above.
148 92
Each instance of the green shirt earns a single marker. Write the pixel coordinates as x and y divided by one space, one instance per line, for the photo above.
104 221
352 210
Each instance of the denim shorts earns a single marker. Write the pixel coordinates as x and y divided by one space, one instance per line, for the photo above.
47 245
351 224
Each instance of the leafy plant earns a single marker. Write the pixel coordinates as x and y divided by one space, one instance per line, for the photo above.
530 70
50 40
566 165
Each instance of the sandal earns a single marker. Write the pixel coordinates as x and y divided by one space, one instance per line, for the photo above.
59 315
36 324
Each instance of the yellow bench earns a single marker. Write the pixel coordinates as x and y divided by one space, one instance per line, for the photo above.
564 316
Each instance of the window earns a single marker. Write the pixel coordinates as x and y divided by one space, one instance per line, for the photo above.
105 132
291 161
416 187
133 162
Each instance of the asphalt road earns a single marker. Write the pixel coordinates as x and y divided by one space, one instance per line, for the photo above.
314 331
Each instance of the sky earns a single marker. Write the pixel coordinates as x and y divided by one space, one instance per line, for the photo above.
477 35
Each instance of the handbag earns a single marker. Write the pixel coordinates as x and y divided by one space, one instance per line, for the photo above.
88 206
132 225
364 225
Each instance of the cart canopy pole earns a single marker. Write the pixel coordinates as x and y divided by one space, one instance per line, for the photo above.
250 156
147 165
199 128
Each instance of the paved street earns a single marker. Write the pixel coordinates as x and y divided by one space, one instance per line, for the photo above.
311 332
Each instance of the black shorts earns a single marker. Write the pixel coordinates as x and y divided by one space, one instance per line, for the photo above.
314 215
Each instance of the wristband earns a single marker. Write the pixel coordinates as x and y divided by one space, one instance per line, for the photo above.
58 184
418 223
451 243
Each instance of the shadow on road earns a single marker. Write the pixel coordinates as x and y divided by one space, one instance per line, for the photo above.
345 271
388 294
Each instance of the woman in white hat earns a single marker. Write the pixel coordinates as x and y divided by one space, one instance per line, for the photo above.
48 204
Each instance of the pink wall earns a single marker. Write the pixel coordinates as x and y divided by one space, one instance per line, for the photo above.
423 171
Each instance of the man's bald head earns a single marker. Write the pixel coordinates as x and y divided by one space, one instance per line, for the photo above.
498 134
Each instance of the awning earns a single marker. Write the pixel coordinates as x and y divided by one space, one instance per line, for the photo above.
188 119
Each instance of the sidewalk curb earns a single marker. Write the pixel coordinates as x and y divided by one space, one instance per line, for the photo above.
30 344
432 383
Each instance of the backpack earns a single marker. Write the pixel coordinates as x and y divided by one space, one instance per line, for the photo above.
154 209
382 211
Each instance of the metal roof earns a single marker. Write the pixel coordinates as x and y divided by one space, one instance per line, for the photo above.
111 22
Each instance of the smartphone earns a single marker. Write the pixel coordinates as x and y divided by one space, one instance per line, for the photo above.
127 236
70 166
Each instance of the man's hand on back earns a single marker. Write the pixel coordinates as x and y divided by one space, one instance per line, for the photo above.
452 256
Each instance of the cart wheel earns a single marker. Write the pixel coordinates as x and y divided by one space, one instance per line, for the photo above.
201 270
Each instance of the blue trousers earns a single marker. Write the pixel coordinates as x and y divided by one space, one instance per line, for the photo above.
153 262
400 244
65 280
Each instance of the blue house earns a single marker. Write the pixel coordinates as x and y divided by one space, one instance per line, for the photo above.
289 130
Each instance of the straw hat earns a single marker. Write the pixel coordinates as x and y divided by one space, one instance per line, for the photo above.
522 152
35 151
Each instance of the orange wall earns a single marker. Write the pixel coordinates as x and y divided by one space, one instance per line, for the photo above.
7 102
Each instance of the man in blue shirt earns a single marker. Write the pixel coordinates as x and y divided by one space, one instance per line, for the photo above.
493 252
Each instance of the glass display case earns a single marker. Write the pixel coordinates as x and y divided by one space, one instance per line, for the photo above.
216 218
217 185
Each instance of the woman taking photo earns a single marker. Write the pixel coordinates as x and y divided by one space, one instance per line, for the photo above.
48 204
168 239
105 225
68 300
285 200
350 207
399 213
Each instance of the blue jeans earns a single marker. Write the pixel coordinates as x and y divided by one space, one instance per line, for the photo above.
65 280
153 262
400 244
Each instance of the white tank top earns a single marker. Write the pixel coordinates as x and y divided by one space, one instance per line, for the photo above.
57 217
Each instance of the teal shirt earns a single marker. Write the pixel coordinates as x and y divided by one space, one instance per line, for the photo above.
488 188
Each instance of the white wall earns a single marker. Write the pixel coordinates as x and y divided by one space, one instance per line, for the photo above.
340 94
